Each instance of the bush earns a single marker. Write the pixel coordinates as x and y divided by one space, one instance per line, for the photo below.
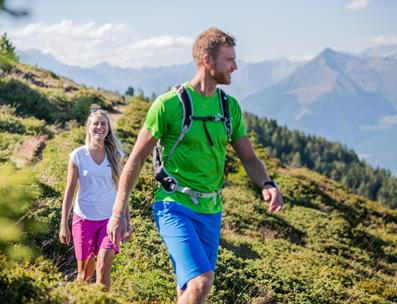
16 187
26 101
143 271
5 64
7 143
9 122
38 281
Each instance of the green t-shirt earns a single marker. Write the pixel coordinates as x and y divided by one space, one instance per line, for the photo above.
195 163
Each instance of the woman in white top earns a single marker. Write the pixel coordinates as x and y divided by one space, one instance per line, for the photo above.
96 166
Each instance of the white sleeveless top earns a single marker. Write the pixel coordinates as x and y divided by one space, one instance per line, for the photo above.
97 193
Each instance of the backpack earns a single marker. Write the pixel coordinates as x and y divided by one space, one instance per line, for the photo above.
169 183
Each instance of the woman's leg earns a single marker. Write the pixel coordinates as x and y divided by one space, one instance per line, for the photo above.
85 270
104 267
83 232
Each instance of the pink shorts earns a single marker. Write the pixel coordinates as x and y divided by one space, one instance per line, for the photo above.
90 236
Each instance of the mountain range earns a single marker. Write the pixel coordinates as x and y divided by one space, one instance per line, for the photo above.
248 79
343 97
350 98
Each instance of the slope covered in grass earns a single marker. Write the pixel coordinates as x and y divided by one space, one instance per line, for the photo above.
331 159
35 104
327 246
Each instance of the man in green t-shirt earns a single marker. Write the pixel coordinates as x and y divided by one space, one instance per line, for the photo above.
189 216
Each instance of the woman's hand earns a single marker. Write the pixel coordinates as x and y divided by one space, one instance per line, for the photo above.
64 234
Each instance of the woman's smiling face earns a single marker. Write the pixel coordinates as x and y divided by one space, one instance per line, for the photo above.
98 128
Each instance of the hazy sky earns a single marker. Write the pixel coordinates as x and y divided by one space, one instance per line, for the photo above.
161 32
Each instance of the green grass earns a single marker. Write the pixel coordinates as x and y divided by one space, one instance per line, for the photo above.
327 246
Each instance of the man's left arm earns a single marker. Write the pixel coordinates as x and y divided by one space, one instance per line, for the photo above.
256 170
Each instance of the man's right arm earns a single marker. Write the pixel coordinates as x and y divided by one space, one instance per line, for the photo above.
128 178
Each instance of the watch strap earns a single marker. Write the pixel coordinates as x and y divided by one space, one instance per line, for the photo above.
270 184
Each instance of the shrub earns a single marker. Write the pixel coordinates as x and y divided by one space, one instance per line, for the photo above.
38 281
16 187
9 122
7 49
5 64
7 144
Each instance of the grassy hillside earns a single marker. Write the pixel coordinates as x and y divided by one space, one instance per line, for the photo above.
327 246
328 158
36 104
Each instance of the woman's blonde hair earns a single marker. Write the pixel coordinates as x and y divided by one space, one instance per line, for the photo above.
113 148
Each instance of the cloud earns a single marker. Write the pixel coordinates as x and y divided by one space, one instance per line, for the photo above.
392 39
296 58
388 121
162 42
357 5
87 44
385 123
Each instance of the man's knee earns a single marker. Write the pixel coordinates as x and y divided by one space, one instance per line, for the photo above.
202 283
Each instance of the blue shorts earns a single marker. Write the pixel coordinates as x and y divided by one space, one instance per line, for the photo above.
192 239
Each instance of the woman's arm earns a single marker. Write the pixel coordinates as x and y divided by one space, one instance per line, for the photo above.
71 182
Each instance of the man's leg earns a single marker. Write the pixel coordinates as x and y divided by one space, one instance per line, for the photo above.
194 272
179 292
197 289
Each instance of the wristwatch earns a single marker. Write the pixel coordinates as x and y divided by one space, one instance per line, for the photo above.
270 184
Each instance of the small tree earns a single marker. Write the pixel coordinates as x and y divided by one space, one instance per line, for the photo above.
18 191
140 93
7 49
130 91
12 12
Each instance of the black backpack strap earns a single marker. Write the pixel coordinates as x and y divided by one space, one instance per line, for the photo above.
187 108
204 119
226 113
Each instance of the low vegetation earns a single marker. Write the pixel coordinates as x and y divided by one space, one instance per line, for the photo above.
327 246
331 159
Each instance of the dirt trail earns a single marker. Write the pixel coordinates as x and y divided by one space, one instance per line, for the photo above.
29 151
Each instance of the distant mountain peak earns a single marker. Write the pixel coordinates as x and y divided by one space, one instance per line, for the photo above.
330 55
383 51
103 65
328 52
334 60
35 56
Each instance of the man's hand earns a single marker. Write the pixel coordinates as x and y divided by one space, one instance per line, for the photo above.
128 234
116 229
274 197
